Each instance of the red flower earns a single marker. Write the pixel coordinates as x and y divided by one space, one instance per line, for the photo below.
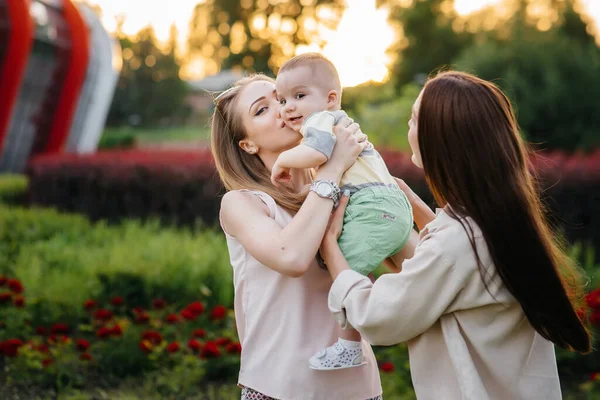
158 304
199 333
116 330
103 332
146 346
82 345
117 301
210 350
234 348
53 339
142 318
15 286
153 337
173 347
223 341
19 301
593 299
2 280
189 315
59 329
172 318
138 310
387 367
85 356
196 307
10 347
219 312
40 330
194 345
43 348
595 318
594 376
47 362
103 315
89 304
5 297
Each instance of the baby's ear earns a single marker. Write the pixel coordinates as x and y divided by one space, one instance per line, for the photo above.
333 100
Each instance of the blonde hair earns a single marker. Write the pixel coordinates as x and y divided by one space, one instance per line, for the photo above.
238 169
327 73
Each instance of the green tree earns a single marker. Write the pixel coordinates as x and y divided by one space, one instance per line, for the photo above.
150 90
551 76
256 35
428 41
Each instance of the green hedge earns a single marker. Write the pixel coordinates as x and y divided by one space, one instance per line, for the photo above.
117 141
65 259
13 189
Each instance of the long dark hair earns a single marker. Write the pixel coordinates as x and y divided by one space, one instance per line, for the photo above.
475 161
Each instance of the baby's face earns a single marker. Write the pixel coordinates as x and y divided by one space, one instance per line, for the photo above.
300 94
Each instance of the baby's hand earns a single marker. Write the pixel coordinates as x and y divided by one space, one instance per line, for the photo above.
280 174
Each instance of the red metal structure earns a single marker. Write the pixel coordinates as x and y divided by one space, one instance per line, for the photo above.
75 71
16 40
45 56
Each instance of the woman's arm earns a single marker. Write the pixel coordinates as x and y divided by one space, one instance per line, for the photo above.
397 307
421 211
394 263
290 249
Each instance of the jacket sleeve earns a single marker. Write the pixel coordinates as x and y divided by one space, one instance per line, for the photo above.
398 306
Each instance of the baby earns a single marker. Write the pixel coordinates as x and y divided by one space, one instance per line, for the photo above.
378 218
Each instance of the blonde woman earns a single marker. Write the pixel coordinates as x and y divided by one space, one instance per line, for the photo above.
273 235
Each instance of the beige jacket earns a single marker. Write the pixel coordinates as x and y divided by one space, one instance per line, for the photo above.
463 342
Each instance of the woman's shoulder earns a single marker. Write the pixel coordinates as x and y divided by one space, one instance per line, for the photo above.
242 198
454 235
241 205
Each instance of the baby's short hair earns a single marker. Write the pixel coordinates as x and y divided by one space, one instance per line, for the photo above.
320 65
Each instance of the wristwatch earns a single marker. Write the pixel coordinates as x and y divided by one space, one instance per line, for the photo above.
327 190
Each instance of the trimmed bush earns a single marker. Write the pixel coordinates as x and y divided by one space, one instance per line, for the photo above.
175 186
571 190
183 187
117 141
13 189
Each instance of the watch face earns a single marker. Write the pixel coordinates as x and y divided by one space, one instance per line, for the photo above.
323 189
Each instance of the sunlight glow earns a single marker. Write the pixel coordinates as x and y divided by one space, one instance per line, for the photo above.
357 47
468 6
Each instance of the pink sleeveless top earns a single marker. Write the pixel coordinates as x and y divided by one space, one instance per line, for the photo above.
282 321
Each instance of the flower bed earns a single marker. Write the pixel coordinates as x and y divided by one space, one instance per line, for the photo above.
115 340
93 307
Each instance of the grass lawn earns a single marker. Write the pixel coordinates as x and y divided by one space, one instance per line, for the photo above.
145 136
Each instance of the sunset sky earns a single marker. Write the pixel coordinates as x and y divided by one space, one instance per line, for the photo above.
359 54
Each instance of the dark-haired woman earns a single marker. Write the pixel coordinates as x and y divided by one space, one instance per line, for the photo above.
488 291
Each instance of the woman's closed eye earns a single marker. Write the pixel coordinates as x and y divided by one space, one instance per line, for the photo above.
261 110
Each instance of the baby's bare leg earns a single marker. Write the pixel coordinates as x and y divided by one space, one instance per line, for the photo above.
351 334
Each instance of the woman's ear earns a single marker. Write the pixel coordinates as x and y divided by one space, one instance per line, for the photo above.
248 146
333 100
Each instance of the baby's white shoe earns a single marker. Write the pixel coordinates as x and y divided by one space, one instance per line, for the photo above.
337 356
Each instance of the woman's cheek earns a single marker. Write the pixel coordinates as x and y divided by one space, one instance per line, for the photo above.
414 146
